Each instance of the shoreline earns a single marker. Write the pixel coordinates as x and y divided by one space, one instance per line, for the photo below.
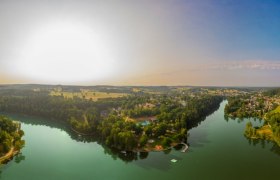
9 155
80 133
145 149
167 148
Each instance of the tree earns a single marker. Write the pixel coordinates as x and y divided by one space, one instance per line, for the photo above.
143 140
148 130
19 144
10 135
166 142
249 130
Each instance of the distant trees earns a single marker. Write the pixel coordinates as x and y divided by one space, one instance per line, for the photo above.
243 107
273 92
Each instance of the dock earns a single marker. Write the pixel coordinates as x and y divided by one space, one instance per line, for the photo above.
185 148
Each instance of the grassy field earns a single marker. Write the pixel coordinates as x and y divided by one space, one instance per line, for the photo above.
89 95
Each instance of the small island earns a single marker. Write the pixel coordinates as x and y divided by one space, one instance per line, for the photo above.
10 139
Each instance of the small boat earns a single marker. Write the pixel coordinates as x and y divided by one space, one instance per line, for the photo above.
174 160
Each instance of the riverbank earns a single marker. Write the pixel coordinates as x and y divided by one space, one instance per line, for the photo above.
9 155
153 147
80 133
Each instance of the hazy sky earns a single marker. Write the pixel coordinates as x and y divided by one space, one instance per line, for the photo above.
153 42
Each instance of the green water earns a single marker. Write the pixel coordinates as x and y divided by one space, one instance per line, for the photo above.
218 150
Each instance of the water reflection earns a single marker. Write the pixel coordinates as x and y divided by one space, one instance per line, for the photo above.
274 148
263 142
52 123
194 124
198 138
127 156
143 155
19 157
158 160
240 120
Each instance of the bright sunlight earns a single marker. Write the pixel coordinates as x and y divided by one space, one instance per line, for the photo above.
66 52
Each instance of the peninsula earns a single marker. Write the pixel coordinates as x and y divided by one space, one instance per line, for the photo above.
10 138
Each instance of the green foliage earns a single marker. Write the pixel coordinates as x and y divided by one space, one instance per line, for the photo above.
270 130
143 140
10 135
148 130
273 92
245 106
249 130
19 144
166 142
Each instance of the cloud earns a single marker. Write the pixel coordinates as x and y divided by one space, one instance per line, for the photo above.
258 65
242 65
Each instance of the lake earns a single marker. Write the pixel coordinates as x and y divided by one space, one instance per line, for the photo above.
217 150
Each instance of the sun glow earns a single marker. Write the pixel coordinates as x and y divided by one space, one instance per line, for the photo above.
66 52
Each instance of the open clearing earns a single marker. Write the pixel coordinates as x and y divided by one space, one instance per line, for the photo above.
89 95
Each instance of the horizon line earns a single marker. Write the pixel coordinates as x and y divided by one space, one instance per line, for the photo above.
77 85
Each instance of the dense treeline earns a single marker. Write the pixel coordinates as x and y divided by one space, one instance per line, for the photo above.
10 135
273 92
273 119
173 114
234 104
58 108
170 126
243 107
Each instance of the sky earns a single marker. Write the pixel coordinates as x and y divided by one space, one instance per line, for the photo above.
147 42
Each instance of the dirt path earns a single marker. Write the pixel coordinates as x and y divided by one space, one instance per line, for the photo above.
7 155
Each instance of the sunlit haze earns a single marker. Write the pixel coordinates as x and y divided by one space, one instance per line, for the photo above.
65 52
193 42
